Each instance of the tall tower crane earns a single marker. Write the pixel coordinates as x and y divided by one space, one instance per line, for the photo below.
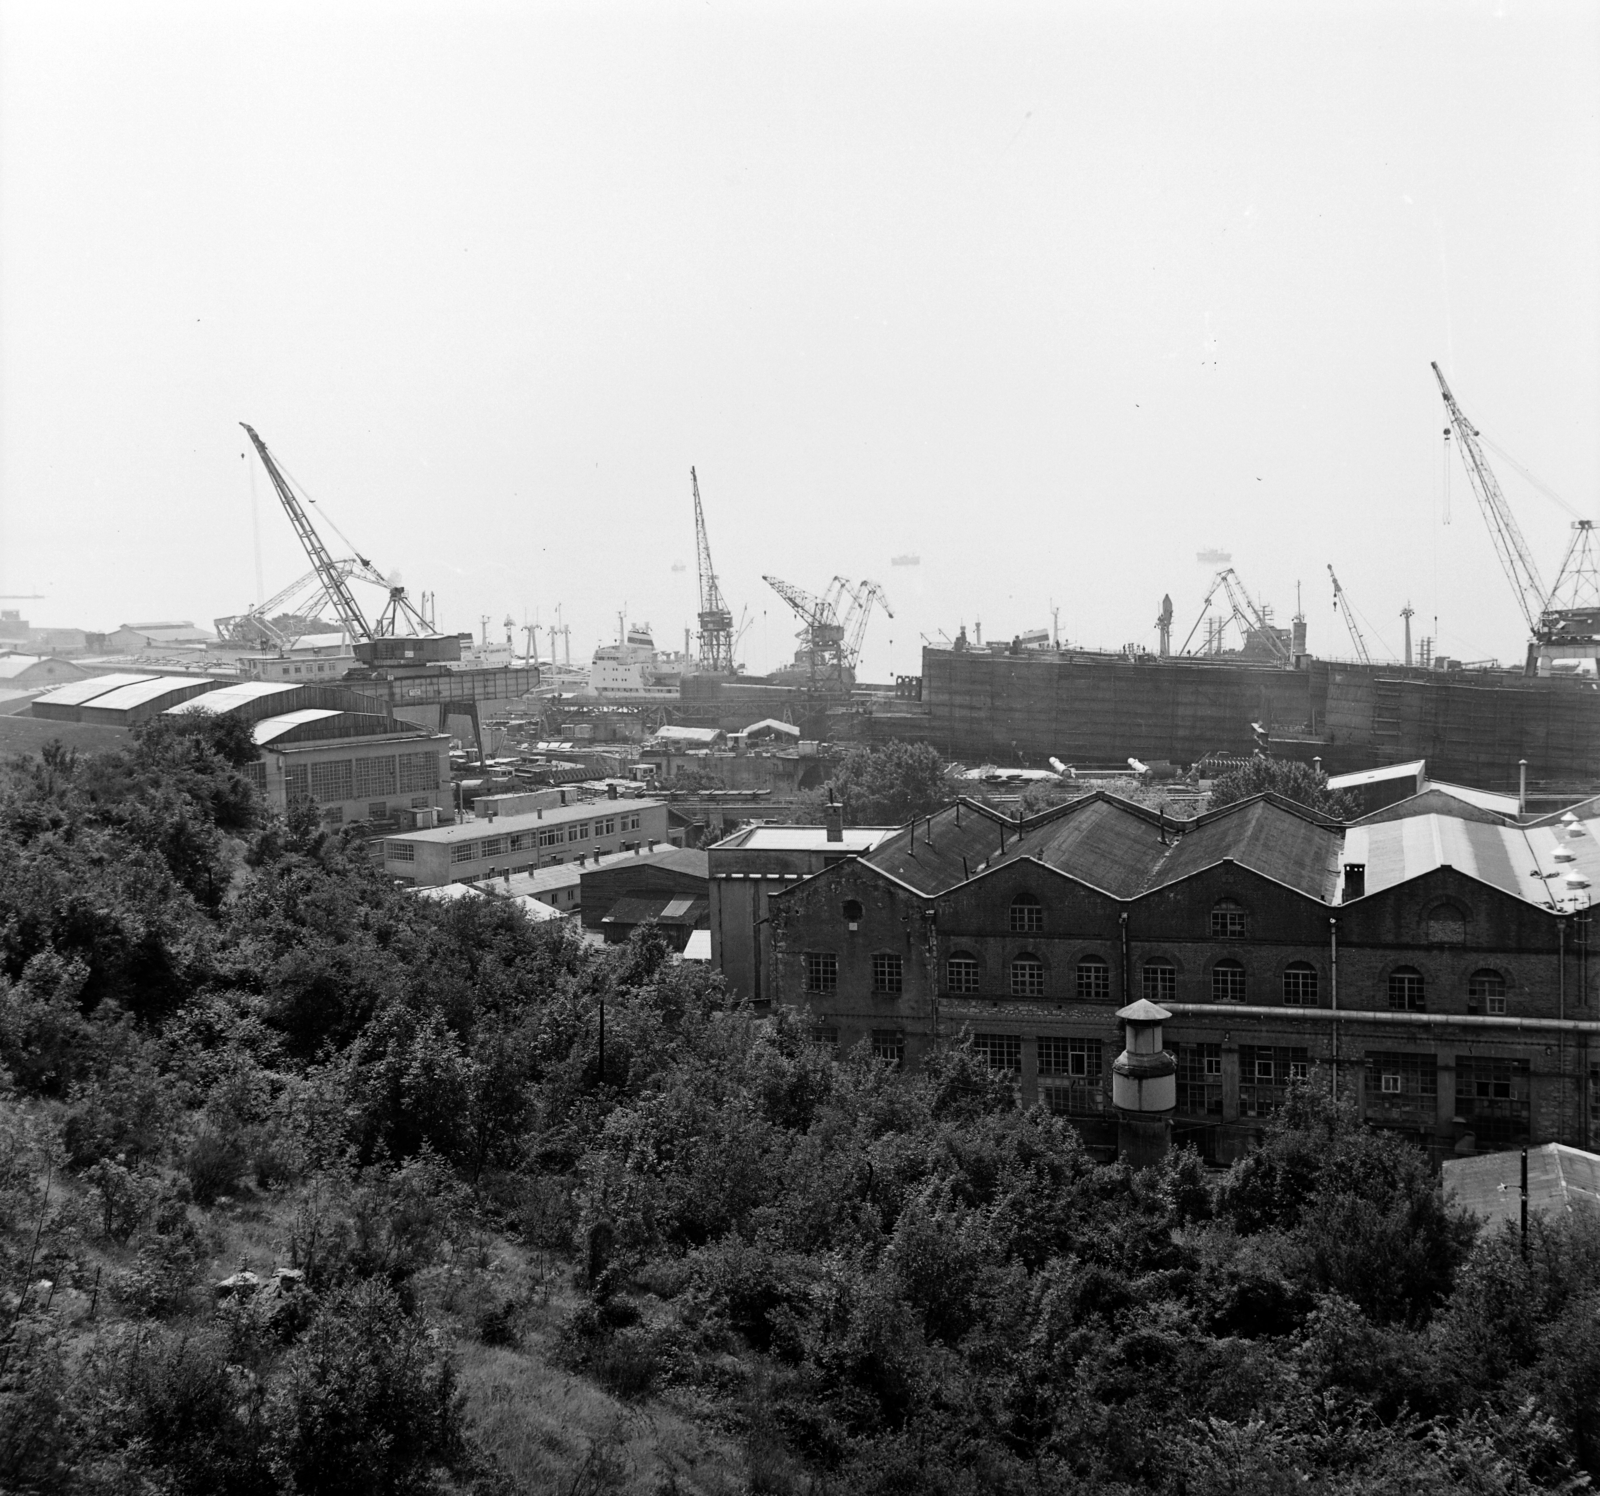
397 612
1512 549
716 619
1341 604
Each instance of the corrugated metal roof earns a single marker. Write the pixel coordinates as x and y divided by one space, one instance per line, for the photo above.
635 911
1413 770
269 728
78 692
238 695
139 693
1561 1181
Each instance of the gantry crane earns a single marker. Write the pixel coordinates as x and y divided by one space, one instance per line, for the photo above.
398 614
716 619
1515 558
1251 618
1341 604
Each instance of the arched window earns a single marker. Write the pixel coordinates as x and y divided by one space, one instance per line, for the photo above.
1446 925
1227 920
1027 915
1158 981
1486 992
852 911
1227 982
1406 994
1094 980
1027 977
1300 984
961 975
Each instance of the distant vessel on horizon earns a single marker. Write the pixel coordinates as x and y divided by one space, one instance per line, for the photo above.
905 561
1213 557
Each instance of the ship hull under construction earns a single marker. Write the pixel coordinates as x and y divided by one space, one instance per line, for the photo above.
1472 727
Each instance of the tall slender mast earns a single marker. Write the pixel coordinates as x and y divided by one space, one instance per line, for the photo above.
716 620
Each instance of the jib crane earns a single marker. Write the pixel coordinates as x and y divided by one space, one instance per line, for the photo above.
716 619
1341 604
821 635
1515 558
397 612
1251 618
309 596
855 621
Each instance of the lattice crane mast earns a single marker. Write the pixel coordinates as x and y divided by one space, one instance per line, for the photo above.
335 581
716 618
307 593
1251 618
1341 604
1515 557
855 621
821 635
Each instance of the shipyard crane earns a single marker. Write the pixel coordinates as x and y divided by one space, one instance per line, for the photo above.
397 612
716 618
1515 557
855 621
309 596
1341 604
821 635
1251 618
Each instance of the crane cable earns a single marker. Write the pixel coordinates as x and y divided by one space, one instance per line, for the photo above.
1532 478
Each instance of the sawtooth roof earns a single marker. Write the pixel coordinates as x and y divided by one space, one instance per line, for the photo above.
1121 848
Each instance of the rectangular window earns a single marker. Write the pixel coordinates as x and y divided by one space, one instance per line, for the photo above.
333 816
399 851
296 782
516 841
493 846
1094 981
377 810
572 832
418 771
1027 917
256 774
1300 986
888 974
375 777
463 851
1265 1072
419 802
826 1034
890 1045
1495 1007
611 829
333 780
1402 1089
1199 1079
583 831
1492 1095
1158 981
961 976
1227 922
822 971
1227 982
1027 977
1072 1076
1001 1051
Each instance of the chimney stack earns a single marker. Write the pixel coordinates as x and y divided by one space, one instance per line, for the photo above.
833 819
1144 1086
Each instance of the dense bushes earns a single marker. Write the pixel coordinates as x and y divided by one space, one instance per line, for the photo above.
890 1283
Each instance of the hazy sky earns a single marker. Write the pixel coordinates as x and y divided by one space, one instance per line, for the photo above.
1050 296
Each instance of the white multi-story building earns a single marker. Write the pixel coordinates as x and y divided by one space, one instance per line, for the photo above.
491 846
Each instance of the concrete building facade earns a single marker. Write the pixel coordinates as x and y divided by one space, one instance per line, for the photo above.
1431 967
473 850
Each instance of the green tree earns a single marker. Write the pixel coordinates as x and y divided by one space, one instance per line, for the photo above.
1298 782
891 784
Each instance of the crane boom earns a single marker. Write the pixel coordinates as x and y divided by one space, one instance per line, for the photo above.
855 621
1515 557
1342 604
1250 618
716 620
332 579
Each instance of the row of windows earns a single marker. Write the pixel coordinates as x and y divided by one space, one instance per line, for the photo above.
518 841
1158 980
368 778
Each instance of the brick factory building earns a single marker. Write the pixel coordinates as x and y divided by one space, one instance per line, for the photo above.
1437 964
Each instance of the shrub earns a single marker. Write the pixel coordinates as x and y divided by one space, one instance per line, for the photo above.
213 1164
